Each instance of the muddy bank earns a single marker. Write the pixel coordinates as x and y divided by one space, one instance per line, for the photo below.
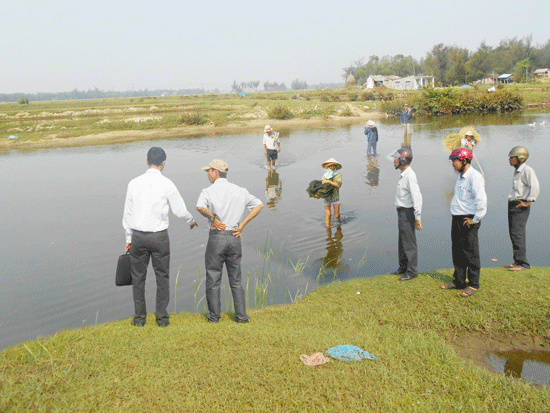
250 126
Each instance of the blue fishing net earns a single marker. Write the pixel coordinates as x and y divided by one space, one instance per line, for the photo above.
346 352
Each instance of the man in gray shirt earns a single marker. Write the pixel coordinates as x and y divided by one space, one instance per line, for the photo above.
224 203
525 189
408 201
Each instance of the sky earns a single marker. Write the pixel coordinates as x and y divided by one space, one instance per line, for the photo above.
58 45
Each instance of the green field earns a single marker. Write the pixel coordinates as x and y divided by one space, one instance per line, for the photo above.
417 331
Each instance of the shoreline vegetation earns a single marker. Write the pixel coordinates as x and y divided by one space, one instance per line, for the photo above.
54 124
430 344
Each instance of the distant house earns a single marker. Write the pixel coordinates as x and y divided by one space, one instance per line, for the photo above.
542 72
506 78
413 82
379 80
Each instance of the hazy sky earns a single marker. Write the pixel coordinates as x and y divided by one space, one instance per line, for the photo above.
55 46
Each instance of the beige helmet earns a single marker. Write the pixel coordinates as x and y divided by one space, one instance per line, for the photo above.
521 152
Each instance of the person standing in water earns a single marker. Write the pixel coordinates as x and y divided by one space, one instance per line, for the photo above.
333 177
372 138
468 141
272 146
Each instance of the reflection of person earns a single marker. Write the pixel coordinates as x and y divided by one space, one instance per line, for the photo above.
406 117
468 141
525 189
223 203
333 177
408 201
468 207
145 221
373 172
272 145
335 248
273 188
372 138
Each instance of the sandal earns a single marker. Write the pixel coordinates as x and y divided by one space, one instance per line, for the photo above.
468 292
517 268
511 266
448 286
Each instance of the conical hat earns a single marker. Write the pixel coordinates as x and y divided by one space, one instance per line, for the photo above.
332 161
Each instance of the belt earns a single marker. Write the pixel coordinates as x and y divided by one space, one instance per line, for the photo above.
224 232
403 208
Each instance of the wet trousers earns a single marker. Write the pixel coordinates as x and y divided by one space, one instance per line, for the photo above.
154 246
517 221
224 248
406 246
465 249
371 148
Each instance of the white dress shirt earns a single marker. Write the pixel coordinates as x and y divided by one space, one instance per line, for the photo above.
407 194
470 197
228 201
149 198
270 141
525 185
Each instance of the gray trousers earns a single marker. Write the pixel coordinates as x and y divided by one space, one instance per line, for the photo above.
406 246
517 221
154 245
224 248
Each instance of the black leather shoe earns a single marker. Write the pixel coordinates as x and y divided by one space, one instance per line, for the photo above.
163 323
407 277
138 322
398 272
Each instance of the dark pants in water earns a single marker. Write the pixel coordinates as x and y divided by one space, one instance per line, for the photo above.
154 246
224 248
517 220
407 249
465 248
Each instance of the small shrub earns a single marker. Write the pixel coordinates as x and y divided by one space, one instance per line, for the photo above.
193 118
346 111
23 101
280 112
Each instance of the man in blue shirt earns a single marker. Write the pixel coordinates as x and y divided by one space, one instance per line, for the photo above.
406 117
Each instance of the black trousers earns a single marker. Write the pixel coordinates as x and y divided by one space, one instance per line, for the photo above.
224 248
406 245
517 221
465 249
154 245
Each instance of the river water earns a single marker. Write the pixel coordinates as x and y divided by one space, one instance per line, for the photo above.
62 211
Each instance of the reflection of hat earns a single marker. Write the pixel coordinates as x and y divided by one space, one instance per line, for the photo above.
332 161
370 123
267 128
216 164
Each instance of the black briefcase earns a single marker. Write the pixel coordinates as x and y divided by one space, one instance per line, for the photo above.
123 276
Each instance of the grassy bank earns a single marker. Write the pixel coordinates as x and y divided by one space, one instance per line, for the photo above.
88 122
416 330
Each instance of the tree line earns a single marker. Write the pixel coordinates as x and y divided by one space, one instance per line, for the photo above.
453 65
252 86
76 94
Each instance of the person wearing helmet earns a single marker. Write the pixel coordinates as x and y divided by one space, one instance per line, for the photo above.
525 189
272 146
468 206
408 201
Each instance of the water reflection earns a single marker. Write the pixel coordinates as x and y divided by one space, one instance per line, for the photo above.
531 366
273 189
373 171
331 265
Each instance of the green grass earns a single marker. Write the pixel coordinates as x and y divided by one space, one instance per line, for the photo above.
196 366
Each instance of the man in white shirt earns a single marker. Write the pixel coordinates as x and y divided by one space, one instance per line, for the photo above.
408 201
148 199
525 189
468 206
272 145
224 203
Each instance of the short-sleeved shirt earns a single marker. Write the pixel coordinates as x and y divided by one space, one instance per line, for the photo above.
228 201
336 191
270 141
